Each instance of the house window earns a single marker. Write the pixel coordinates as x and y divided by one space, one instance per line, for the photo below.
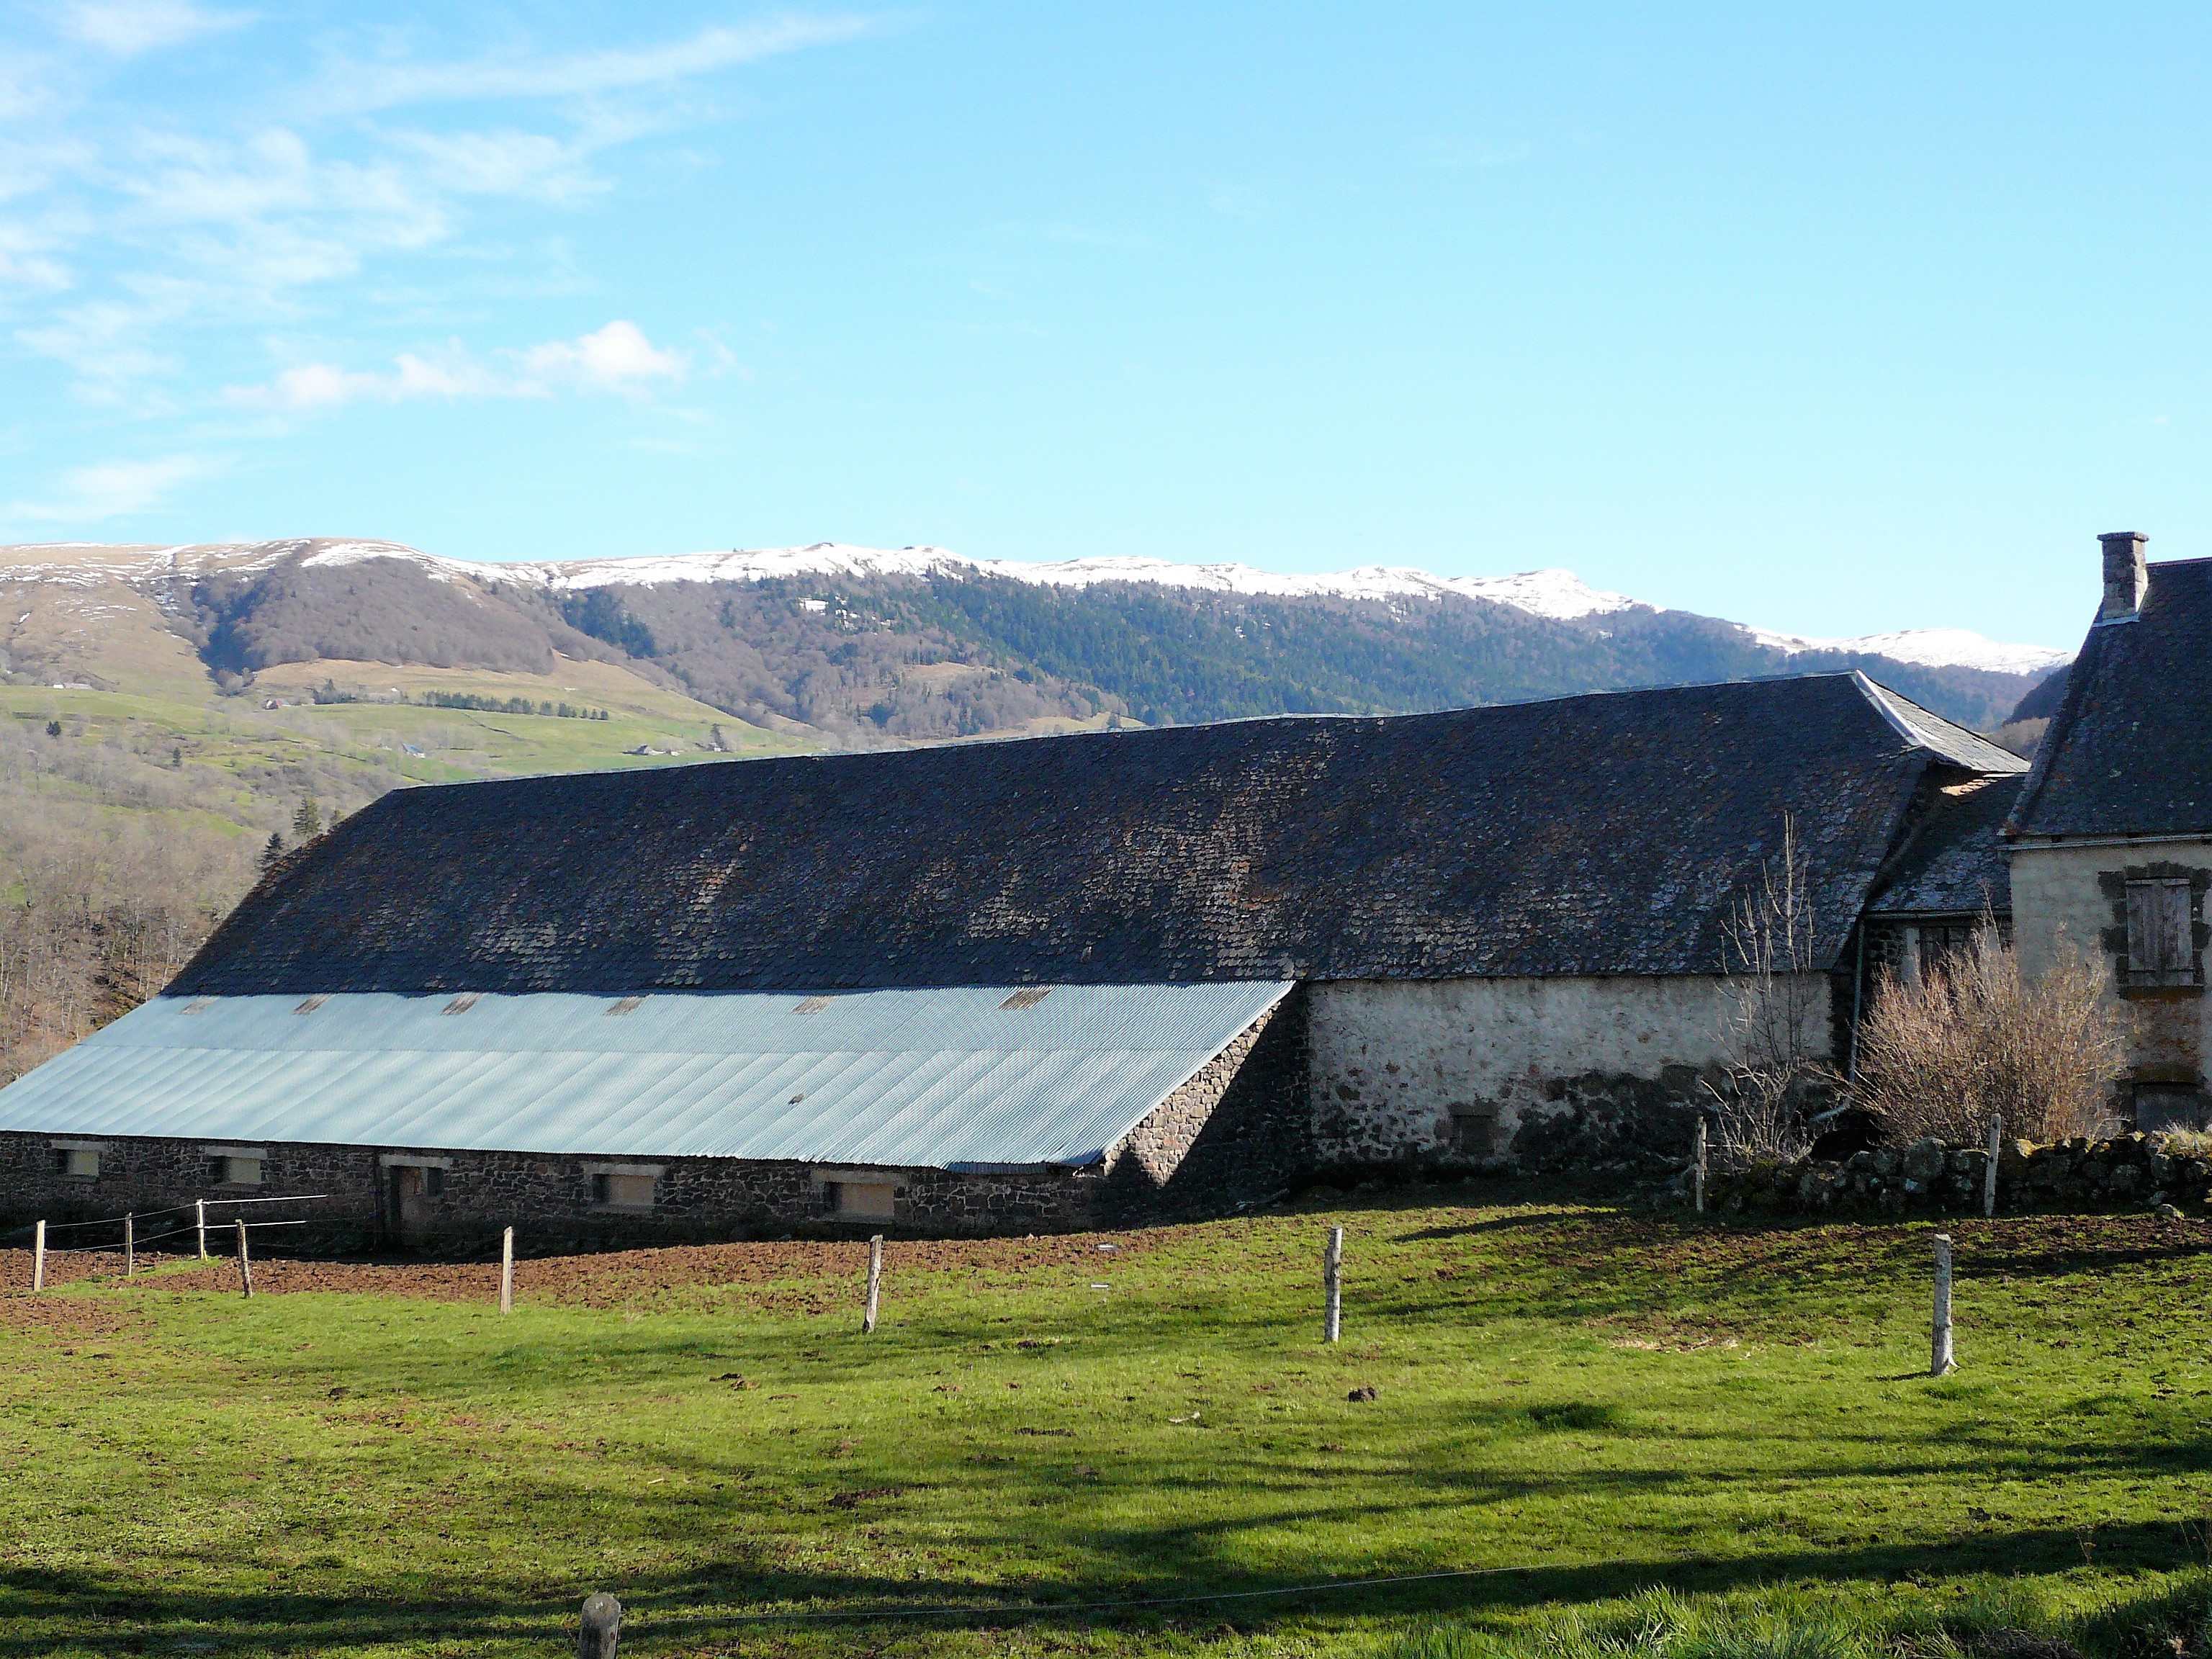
616 1191
77 1163
229 1171
2158 949
865 1200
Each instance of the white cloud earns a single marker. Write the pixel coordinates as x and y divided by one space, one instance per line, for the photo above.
617 358
127 27
385 85
111 489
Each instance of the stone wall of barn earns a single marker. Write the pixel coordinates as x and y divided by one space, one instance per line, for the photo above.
2072 901
549 1200
1555 1074
1236 1133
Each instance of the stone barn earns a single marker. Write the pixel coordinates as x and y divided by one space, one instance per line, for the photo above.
1004 986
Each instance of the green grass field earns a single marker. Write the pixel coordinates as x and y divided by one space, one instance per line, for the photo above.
1582 1405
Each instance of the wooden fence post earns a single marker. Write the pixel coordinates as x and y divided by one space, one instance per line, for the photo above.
1940 1359
199 1224
506 1272
1989 1174
1701 1164
130 1246
245 1261
1333 1282
602 1627
39 1257
875 1282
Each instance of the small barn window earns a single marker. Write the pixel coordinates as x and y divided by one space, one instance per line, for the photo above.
865 1200
1474 1133
2159 950
77 1163
230 1172
614 1191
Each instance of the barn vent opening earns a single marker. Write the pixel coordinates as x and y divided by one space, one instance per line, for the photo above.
77 1163
865 1200
229 1171
616 1191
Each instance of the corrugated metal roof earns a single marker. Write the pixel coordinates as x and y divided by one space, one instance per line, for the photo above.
951 1078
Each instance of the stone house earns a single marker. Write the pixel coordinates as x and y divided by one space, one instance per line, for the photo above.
2111 837
1013 985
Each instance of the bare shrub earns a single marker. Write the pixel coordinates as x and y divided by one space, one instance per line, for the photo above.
1975 1039
1777 1075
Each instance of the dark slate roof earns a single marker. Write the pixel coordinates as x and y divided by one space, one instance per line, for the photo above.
2127 752
1595 834
1954 861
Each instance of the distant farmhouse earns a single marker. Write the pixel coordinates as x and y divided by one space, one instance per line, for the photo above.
1105 978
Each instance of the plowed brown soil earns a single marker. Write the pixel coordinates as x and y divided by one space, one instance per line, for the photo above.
794 1276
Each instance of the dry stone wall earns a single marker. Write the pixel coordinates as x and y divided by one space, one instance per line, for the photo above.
2123 1171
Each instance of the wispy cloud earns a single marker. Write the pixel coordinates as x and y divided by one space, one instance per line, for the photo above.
113 490
126 234
127 27
617 358
364 86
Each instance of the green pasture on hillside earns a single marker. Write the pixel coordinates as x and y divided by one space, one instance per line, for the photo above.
1585 1404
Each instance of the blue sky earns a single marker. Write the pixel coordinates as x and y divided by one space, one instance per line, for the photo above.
1832 320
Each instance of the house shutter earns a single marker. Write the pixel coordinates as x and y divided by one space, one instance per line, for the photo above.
2158 932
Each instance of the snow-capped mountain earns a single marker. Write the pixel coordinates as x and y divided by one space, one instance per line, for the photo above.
1934 647
1554 594
1559 595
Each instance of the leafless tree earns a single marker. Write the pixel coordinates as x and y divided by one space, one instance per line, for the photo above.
1974 1038
1777 1073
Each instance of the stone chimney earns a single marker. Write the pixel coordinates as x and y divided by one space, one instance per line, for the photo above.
2125 576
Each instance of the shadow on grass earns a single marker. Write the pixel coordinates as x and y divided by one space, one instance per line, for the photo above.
727 1603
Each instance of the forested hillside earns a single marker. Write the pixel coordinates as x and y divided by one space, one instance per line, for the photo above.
948 654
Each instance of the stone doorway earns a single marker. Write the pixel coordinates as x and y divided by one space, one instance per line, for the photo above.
410 1212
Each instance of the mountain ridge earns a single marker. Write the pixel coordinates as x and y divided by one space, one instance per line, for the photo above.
862 646
1553 593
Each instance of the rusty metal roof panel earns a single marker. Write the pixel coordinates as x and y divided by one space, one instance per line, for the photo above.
971 1078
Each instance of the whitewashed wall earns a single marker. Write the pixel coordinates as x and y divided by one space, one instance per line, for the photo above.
1393 1060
